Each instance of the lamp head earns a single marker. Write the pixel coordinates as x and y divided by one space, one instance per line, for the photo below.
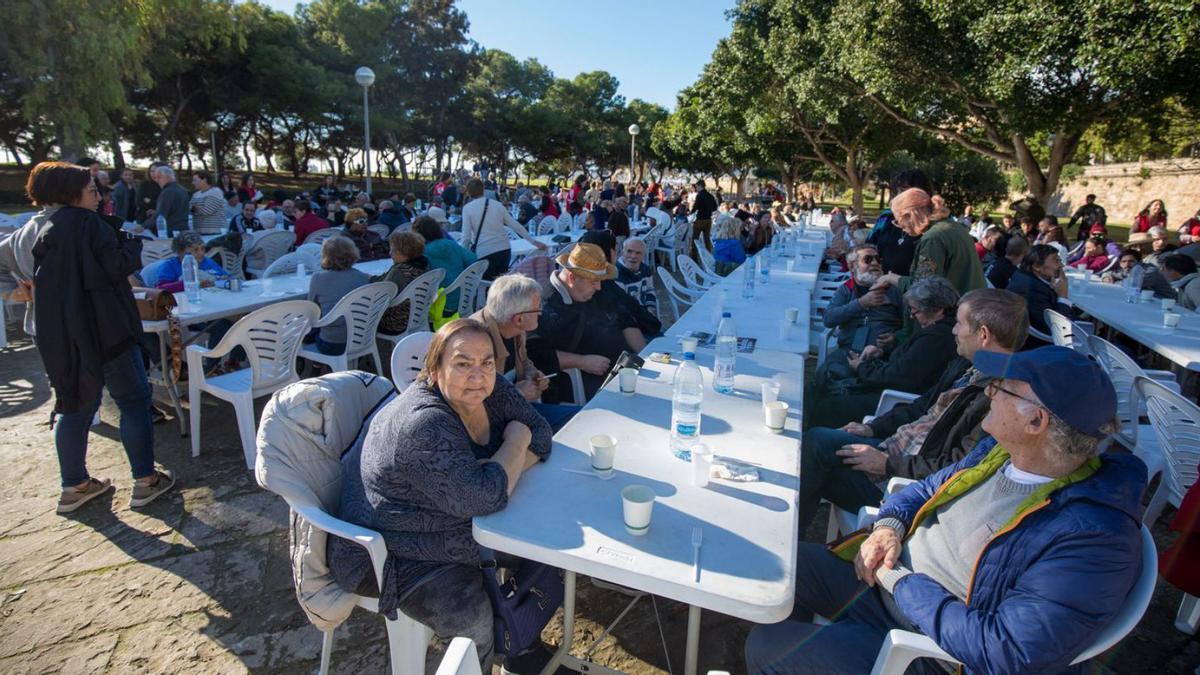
634 130
364 76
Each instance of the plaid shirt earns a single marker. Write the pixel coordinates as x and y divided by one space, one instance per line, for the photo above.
909 438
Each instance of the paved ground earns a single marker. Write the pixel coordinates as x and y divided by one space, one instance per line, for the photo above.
199 582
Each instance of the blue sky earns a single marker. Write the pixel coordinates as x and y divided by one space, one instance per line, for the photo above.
654 47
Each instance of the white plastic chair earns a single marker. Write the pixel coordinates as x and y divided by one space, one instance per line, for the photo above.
361 310
271 337
461 658
156 249
381 230
229 261
1068 333
822 344
707 260
888 399
678 293
546 226
667 243
266 249
419 294
660 217
901 647
287 264
467 285
310 249
695 277
408 358
564 223
321 235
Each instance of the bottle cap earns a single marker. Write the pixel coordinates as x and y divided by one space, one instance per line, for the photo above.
689 356
726 315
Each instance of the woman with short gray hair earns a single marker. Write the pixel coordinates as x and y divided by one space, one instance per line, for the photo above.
913 364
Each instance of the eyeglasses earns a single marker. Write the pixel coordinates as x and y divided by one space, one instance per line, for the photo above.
869 258
360 221
996 386
529 311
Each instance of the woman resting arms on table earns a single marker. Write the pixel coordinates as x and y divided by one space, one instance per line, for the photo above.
452 446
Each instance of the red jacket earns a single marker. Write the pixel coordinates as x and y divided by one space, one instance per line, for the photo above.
1180 564
307 224
1143 223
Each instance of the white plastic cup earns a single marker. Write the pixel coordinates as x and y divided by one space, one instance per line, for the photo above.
1171 320
300 271
792 314
1168 304
1148 295
689 344
627 377
791 265
182 306
637 503
702 457
775 413
1088 275
268 285
604 453
770 392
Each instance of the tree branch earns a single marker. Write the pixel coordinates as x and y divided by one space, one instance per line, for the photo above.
947 134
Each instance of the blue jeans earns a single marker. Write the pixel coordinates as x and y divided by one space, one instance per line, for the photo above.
826 585
556 415
125 379
823 475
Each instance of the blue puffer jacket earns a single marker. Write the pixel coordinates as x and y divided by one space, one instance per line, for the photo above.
1043 589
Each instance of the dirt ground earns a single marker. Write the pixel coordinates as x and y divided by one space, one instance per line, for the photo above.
199 581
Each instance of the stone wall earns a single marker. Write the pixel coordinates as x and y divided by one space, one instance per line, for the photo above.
1124 189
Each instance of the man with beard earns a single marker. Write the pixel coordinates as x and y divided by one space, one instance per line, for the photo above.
859 313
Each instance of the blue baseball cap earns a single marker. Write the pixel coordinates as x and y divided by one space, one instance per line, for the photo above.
1072 386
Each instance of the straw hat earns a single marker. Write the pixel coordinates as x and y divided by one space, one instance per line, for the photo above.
588 261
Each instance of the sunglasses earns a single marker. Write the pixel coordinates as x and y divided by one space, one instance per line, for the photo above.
360 221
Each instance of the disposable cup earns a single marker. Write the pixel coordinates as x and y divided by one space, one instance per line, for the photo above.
1168 304
702 457
604 453
1087 275
791 265
628 380
1171 320
1147 295
770 392
792 314
268 285
776 415
637 503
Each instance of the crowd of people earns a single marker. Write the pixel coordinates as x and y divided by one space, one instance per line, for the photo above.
1004 439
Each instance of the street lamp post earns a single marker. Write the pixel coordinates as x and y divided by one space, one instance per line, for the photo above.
212 138
365 78
634 130
450 155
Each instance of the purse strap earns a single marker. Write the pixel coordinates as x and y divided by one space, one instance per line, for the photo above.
479 230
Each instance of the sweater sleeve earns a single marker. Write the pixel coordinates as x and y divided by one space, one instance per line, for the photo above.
512 406
843 308
439 450
914 365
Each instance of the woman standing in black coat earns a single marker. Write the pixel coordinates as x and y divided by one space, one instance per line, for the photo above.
87 329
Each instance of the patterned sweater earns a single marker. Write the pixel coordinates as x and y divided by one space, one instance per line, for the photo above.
417 480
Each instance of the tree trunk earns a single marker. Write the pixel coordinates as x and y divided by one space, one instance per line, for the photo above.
71 144
114 142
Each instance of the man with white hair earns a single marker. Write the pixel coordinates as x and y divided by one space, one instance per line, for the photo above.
634 275
514 303
1012 560
172 204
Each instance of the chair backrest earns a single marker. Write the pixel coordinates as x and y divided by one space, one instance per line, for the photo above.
707 259
419 294
660 217
286 264
535 266
679 294
271 337
271 246
1063 330
408 358
564 222
321 235
381 230
466 284
693 276
229 261
1123 371
362 308
1176 423
546 226
310 249
156 249
311 257
1133 608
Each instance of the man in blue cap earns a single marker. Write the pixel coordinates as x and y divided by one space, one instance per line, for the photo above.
1011 560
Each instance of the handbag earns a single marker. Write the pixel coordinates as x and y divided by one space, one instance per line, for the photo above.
153 304
523 604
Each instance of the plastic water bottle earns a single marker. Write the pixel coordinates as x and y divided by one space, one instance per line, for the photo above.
1133 283
161 224
748 278
687 394
763 260
191 278
723 367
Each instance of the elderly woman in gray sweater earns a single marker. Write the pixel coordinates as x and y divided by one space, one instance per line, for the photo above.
450 447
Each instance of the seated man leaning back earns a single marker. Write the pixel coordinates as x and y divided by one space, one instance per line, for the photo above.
1011 560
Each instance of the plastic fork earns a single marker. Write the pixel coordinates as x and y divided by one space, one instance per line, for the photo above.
697 540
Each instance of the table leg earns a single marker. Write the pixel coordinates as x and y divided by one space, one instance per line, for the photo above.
564 649
171 385
693 641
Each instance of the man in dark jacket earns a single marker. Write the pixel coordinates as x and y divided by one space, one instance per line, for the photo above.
1000 272
147 192
172 204
859 313
846 465
125 197
1041 281
703 208
1013 560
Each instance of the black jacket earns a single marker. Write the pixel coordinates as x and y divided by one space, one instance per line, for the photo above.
704 205
915 364
885 425
1039 297
896 249
86 315
1000 272
951 438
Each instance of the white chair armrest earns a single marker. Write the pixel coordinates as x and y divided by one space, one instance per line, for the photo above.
867 515
1164 377
867 419
368 539
460 658
577 392
897 484
890 398
900 648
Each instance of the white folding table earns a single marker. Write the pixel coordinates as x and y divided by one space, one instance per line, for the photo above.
575 522
1141 321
